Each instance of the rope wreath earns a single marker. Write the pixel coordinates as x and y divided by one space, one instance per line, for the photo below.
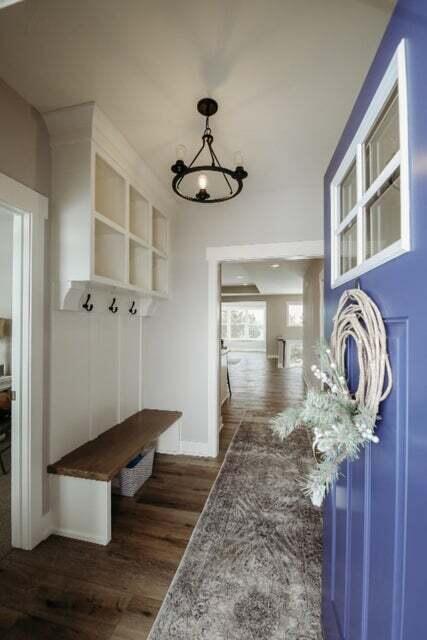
358 317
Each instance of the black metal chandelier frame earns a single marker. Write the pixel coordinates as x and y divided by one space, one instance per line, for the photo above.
207 107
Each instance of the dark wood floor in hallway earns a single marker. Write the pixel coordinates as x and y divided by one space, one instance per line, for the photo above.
72 590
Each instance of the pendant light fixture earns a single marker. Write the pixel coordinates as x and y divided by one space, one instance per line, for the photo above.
231 182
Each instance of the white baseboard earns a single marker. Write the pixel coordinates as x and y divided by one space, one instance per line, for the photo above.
196 449
243 350
168 450
76 535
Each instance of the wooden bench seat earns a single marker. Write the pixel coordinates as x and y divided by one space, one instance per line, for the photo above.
102 458
81 481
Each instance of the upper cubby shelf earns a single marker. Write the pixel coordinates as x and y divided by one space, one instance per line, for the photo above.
107 229
110 192
140 222
160 232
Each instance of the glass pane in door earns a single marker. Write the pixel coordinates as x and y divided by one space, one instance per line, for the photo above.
348 192
383 226
348 247
384 141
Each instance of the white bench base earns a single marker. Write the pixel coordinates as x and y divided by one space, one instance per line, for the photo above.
81 508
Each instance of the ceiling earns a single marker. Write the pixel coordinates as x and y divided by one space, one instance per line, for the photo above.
286 277
285 72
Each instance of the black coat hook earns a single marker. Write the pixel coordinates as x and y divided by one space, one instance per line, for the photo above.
113 307
88 305
132 309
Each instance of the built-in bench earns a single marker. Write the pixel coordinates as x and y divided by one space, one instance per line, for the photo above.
81 480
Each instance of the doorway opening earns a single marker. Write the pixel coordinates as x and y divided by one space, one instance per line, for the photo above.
270 317
263 301
24 518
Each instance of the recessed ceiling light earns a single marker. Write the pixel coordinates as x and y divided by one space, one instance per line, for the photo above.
276 265
240 277
246 284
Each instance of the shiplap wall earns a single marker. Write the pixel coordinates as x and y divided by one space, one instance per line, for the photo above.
95 374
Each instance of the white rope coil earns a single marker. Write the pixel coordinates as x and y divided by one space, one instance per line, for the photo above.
359 318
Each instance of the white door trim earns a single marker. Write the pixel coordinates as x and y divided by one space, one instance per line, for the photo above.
30 211
237 253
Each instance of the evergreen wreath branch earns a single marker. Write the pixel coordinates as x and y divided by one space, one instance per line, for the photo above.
342 424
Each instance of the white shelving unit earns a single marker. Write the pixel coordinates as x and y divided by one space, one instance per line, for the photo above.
108 230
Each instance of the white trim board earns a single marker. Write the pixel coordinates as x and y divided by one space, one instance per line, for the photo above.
30 210
295 250
237 253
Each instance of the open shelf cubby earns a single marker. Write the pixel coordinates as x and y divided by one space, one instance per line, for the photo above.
109 252
139 266
139 215
160 274
110 192
160 231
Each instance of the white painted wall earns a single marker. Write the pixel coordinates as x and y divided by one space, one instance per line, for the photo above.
176 349
95 380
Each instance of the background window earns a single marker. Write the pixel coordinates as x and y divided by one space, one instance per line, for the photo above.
241 322
295 314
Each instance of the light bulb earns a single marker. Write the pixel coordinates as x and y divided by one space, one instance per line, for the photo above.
181 152
238 159
203 181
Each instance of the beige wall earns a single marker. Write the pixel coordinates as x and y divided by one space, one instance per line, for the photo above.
24 142
276 318
312 324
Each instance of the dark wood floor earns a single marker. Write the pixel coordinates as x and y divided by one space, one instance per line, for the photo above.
66 589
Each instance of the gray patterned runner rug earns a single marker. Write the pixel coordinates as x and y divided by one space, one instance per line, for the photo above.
252 569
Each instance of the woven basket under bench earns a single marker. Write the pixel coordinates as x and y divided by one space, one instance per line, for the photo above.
132 477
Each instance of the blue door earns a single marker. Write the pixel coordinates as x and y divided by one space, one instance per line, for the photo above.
375 519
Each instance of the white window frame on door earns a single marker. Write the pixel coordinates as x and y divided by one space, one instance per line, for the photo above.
395 75
30 524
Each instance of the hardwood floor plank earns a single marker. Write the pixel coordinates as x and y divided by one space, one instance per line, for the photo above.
32 628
